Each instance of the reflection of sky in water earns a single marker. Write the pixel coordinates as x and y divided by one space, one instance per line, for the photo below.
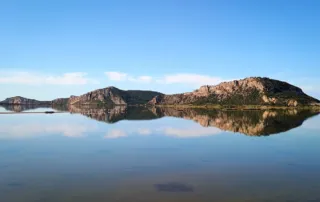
137 160
2 109
76 125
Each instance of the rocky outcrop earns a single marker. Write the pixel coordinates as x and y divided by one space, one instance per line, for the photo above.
113 96
249 91
23 101
60 101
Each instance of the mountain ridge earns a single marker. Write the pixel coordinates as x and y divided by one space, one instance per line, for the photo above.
114 96
249 91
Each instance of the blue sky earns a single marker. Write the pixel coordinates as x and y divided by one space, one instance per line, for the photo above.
52 49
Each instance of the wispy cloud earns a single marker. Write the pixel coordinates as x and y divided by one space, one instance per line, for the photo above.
27 78
195 79
144 131
120 76
144 79
29 130
181 78
116 76
190 132
115 133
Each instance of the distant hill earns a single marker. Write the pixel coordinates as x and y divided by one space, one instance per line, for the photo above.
248 91
60 101
114 96
18 100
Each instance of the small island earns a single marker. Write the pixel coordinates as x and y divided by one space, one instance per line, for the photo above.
244 94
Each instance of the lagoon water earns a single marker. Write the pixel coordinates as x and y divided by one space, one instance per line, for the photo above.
143 155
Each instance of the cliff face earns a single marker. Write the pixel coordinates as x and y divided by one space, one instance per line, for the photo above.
114 96
23 101
249 91
60 101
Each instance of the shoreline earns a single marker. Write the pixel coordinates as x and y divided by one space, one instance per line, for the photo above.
178 106
32 112
238 107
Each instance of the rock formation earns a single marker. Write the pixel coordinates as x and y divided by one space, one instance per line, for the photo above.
249 91
60 101
113 96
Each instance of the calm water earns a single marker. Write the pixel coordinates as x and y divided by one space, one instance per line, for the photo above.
159 155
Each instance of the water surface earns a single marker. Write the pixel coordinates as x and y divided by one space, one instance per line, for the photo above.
157 154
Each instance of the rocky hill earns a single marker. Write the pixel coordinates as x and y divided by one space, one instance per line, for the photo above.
17 100
60 101
114 96
249 91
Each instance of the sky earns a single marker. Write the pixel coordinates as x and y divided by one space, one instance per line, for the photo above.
51 49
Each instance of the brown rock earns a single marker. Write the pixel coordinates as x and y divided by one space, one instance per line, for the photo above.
249 91
114 96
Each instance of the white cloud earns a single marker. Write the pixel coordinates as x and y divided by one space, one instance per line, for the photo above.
192 132
194 79
142 79
189 132
191 79
116 133
29 130
144 131
73 78
116 76
120 76
69 79
145 78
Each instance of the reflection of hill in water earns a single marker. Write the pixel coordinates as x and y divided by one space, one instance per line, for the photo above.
21 108
115 114
249 122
